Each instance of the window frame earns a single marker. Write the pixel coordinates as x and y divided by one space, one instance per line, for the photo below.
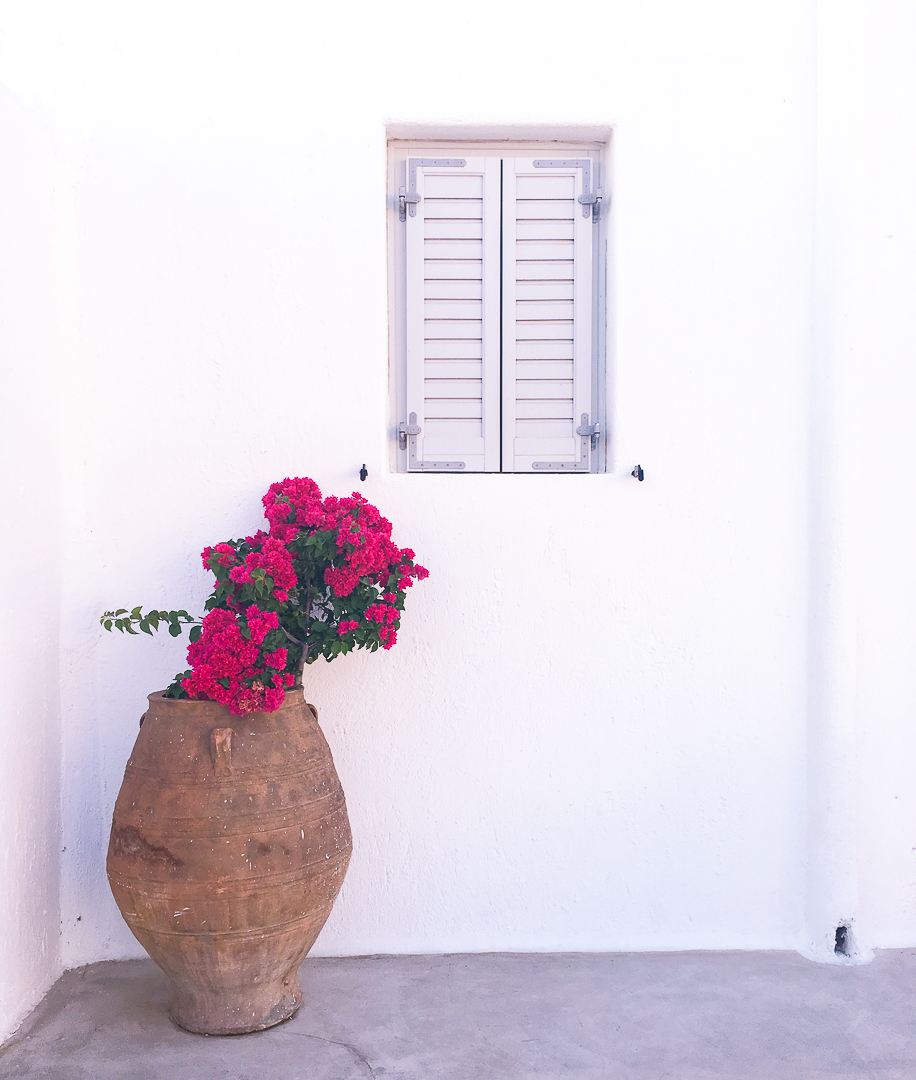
399 150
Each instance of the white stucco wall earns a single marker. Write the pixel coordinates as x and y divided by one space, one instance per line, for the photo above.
30 345
603 726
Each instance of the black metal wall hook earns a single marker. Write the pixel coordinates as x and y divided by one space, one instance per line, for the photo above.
363 472
638 473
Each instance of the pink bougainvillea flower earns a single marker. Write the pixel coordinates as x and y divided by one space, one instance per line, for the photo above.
325 578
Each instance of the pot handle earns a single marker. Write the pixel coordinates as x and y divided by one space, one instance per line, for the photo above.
221 750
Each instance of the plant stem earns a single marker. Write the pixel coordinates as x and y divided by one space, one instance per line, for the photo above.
303 655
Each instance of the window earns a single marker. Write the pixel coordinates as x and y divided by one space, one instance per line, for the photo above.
497 299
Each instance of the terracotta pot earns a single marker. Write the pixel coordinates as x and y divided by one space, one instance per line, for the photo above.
229 844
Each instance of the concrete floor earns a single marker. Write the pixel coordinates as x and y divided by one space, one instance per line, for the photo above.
664 1016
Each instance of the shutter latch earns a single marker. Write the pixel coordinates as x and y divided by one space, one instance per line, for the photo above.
587 430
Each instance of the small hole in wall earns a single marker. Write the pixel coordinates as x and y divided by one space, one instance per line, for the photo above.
841 948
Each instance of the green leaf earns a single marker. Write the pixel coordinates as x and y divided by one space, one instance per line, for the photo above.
107 624
195 633
144 626
175 629
175 689
120 611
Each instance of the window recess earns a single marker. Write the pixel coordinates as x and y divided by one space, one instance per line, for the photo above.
497 264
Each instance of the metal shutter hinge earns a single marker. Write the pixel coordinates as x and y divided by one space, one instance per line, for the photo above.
587 430
407 429
592 199
405 197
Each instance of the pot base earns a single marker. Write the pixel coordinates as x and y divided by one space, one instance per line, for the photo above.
223 1012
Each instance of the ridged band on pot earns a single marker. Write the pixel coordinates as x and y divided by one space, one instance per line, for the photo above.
229 845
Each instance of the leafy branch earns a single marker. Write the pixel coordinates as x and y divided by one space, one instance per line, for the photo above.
125 621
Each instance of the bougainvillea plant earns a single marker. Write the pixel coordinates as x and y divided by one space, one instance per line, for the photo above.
324 579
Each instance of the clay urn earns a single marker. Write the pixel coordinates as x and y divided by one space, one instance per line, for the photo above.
229 845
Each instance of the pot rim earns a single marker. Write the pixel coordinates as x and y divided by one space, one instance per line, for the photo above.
290 697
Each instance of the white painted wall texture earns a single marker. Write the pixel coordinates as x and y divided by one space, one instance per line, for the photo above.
31 308
618 712
862 835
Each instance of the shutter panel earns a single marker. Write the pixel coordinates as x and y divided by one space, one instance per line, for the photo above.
548 323
452 312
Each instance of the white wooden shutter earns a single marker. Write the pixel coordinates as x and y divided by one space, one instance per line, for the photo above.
452 313
548 323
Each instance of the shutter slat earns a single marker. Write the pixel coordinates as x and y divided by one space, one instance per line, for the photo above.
546 230
439 184
546 409
453 269
454 229
452 388
544 388
454 208
453 309
453 350
453 369
544 185
544 290
537 250
453 329
543 331
544 369
460 408
538 437
453 289
544 350
545 208
441 429
544 309
546 270
453 249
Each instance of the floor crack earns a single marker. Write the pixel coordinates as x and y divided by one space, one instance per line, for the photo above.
358 1054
